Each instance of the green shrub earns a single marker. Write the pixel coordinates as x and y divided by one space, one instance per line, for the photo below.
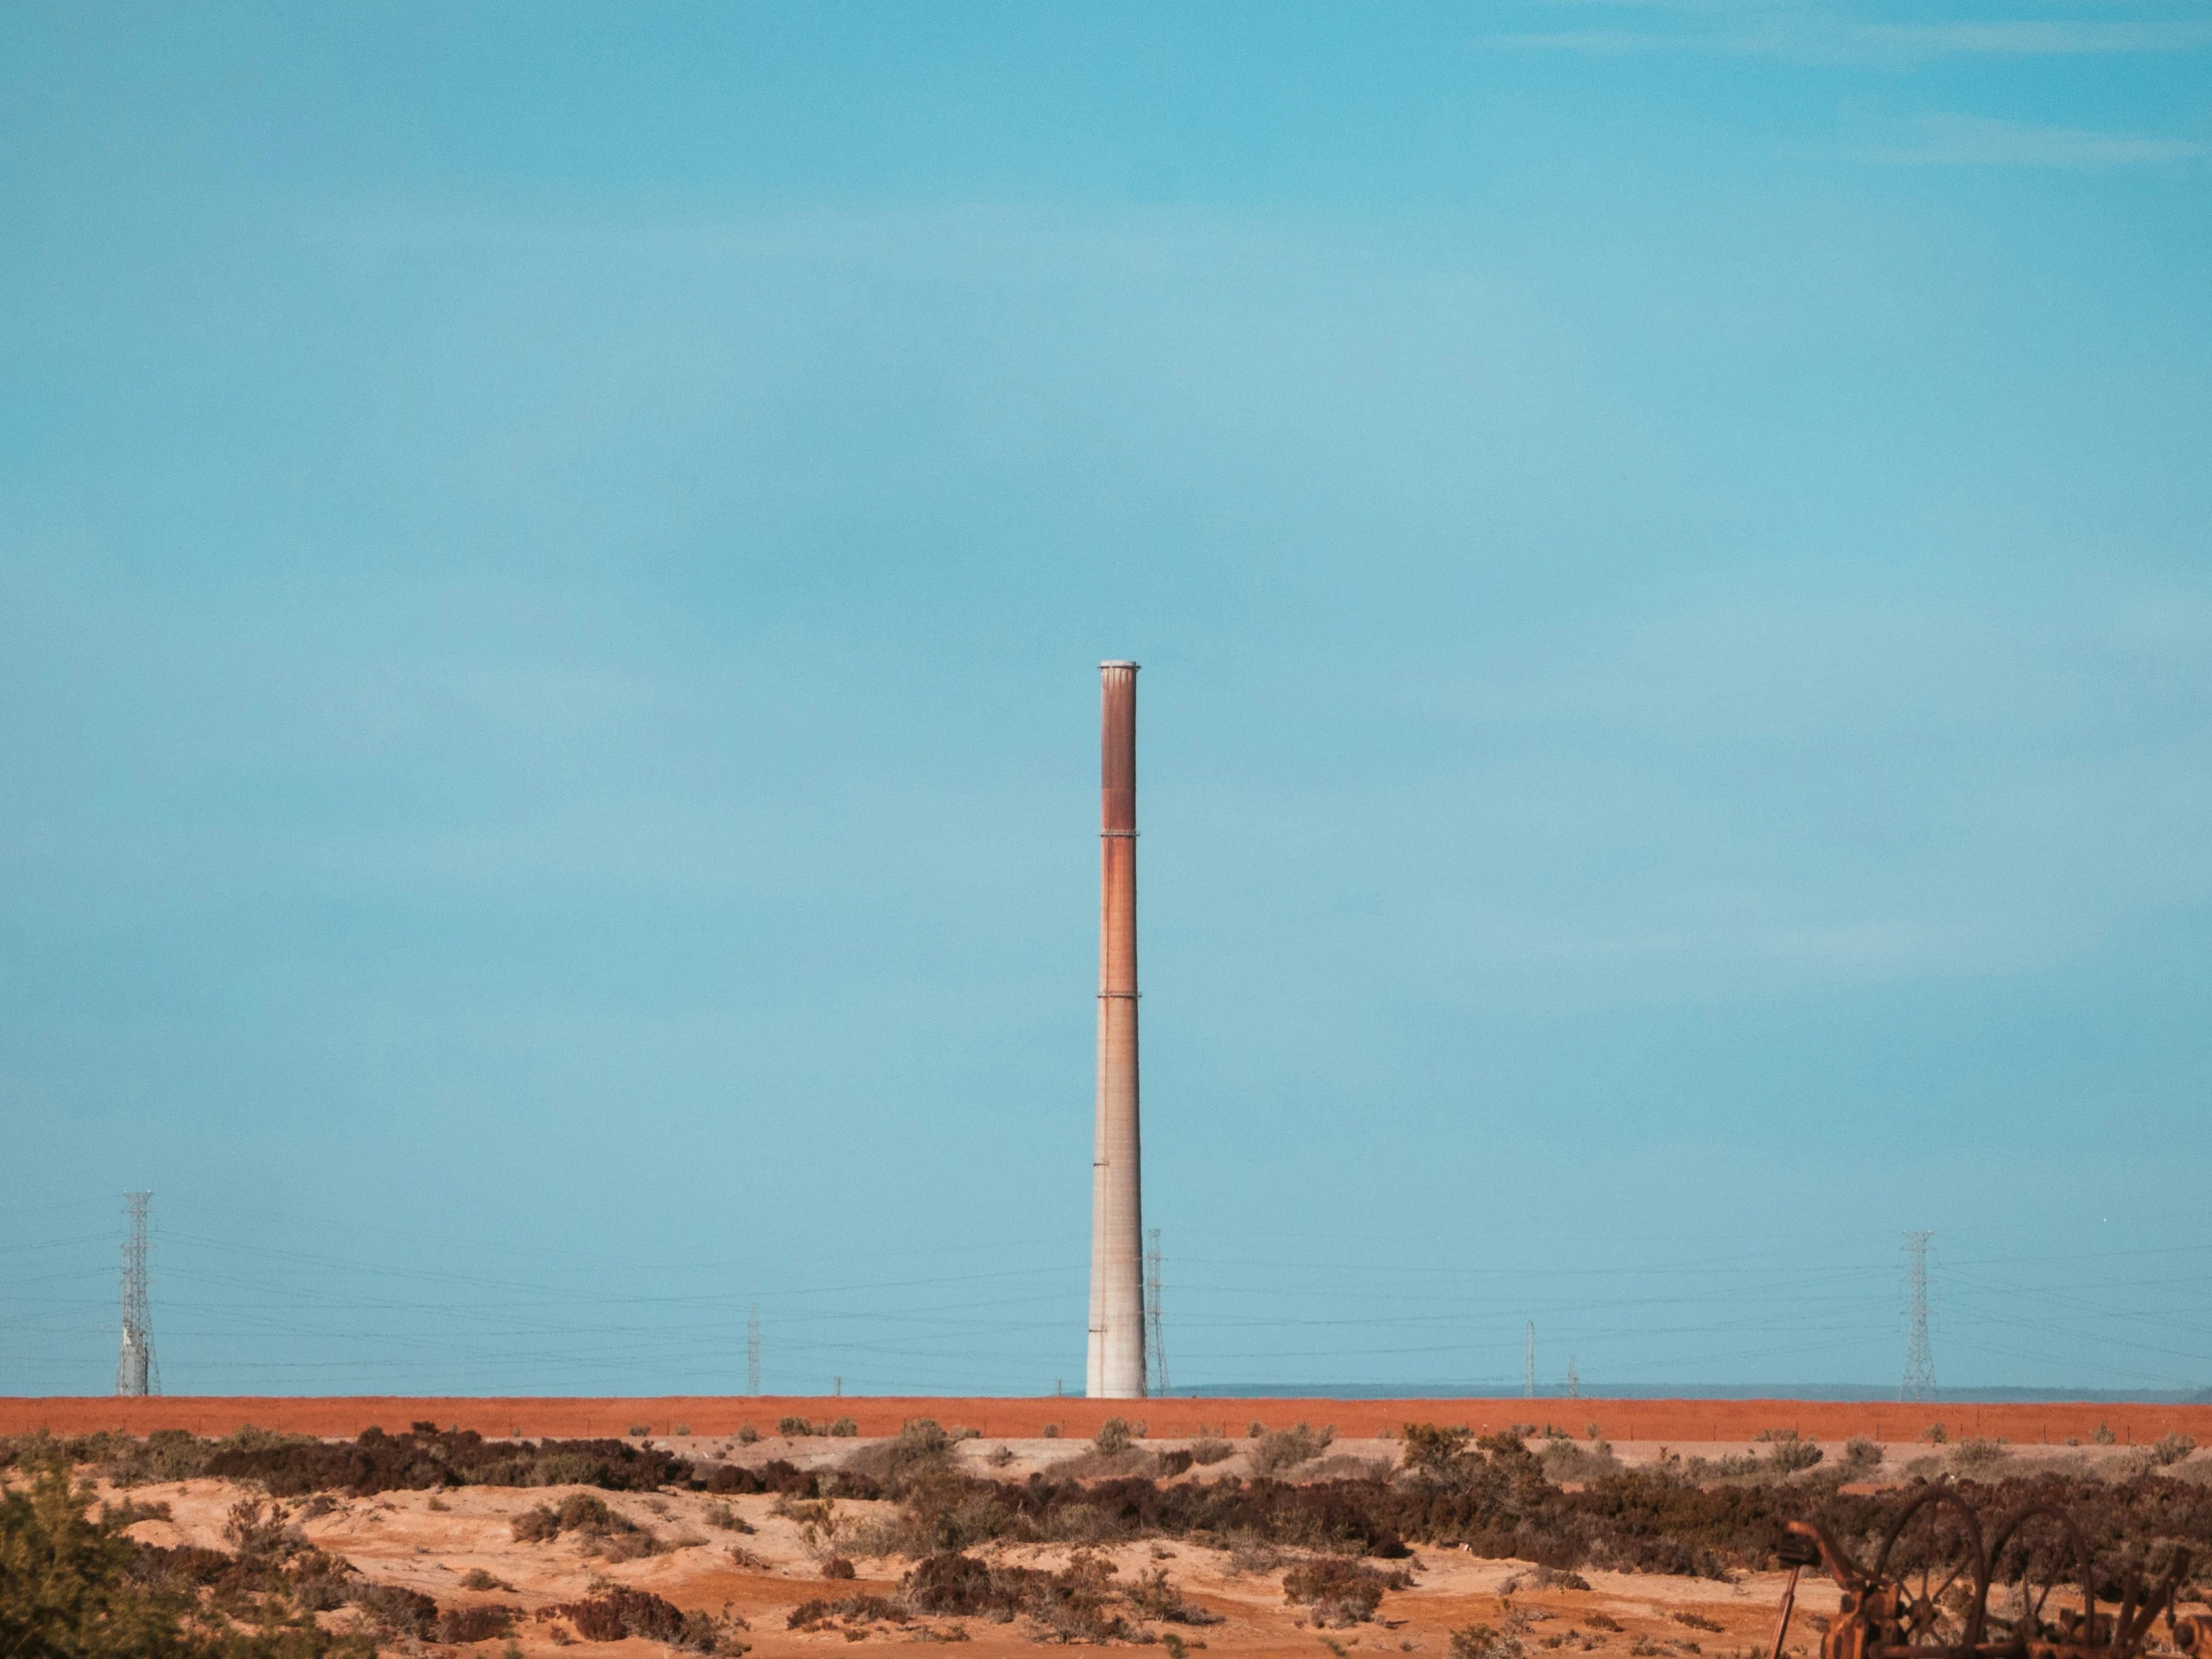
72 1586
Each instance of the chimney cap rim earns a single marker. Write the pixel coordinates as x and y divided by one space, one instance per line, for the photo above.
1117 664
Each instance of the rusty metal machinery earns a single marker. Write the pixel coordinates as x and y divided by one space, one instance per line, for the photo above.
1940 1588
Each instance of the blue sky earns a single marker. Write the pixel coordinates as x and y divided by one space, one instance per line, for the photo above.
552 561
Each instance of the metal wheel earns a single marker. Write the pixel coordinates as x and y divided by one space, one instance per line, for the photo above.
2040 1580
1933 1553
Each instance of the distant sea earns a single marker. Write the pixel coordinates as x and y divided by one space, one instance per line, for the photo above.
1678 1391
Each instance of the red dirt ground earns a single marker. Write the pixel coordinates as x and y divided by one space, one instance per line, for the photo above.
1681 1421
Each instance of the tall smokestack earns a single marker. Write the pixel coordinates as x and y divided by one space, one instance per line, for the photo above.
1117 1369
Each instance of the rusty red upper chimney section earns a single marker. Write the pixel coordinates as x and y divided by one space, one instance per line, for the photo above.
1117 1357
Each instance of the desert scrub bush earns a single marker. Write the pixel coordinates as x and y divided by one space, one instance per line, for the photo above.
424 1459
726 1519
747 1434
1482 1641
1566 1461
953 1583
639 1430
1434 1452
851 1611
1979 1455
1114 1437
476 1624
2104 1435
777 1475
2171 1448
1698 1621
605 1531
1075 1604
1155 1597
476 1578
1211 1449
1935 1433
845 1428
1733 1466
1286 1449
617 1611
1861 1459
1341 1591
1788 1454
921 1450
398 1611
794 1428
254 1528
838 1566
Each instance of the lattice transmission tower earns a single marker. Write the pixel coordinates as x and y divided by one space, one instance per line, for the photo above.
1574 1382
1528 1365
753 1350
1920 1360
1155 1347
134 1370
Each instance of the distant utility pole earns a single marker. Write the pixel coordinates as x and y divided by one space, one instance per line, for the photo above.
753 1350
1920 1361
1528 1365
836 1386
1156 1348
1574 1382
134 1370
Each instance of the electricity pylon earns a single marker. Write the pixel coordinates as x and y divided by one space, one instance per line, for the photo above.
134 1370
1920 1361
1156 1347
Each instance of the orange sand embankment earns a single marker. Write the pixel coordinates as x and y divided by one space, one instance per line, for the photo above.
1681 1421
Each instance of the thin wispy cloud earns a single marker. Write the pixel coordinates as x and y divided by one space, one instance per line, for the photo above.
1975 141
1759 30
2031 37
